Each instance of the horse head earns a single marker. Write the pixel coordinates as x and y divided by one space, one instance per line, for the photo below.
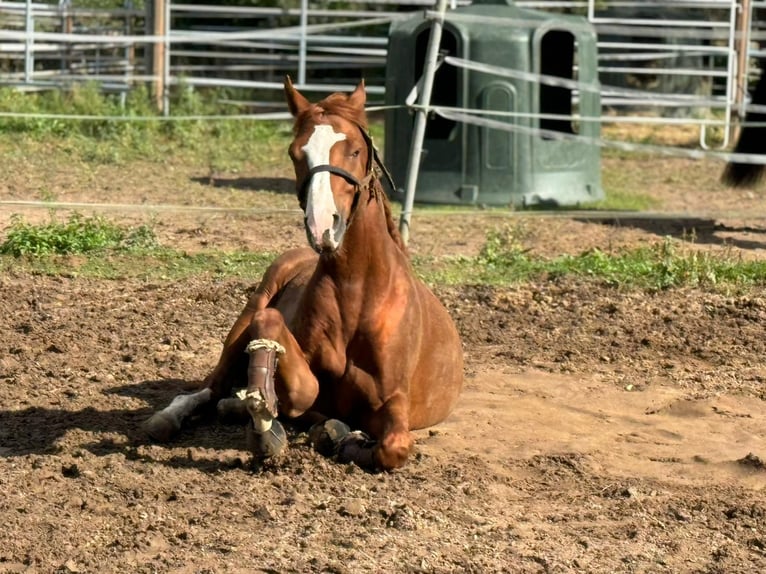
332 157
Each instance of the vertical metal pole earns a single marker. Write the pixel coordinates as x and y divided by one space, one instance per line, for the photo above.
731 81
29 62
166 62
732 77
743 52
421 116
302 42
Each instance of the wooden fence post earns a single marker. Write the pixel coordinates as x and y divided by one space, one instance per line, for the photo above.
156 26
67 27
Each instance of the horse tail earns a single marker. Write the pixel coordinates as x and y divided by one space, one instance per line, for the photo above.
752 140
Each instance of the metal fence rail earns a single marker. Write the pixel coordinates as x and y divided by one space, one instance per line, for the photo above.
34 52
673 56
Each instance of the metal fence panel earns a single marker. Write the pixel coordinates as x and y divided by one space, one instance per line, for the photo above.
676 57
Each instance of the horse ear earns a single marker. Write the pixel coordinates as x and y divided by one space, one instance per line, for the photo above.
358 97
296 102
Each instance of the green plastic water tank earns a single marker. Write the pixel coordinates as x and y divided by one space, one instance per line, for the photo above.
464 163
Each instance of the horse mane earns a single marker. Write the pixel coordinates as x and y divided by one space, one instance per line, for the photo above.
376 192
338 105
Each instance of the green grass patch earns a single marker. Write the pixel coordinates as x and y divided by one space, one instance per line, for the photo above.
620 196
76 235
119 132
663 265
95 247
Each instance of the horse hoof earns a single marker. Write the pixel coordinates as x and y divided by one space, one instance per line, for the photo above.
161 426
267 443
326 436
358 448
232 411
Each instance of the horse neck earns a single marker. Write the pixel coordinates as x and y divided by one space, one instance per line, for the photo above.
372 243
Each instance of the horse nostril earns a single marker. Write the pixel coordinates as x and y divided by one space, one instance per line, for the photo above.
336 220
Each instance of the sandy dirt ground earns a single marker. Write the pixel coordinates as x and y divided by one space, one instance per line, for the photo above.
600 429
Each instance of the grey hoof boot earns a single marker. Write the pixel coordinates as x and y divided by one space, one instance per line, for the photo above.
326 436
268 443
161 426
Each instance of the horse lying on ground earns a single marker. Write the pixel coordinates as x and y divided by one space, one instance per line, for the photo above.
342 330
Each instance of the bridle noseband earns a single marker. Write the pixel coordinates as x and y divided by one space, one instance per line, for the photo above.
348 176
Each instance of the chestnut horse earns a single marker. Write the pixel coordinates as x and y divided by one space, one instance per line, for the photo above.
342 330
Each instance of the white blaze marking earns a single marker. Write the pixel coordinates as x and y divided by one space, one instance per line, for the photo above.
320 205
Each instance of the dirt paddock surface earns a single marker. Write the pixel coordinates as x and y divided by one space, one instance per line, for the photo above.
600 430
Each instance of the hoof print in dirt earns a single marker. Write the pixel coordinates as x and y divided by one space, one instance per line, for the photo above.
266 444
161 426
357 447
326 436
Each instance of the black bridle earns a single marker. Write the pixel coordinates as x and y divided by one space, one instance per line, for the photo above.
348 176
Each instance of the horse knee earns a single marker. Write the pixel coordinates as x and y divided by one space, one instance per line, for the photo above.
296 388
295 401
394 450
266 323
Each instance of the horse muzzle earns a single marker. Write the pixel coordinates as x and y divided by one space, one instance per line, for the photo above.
325 236
325 225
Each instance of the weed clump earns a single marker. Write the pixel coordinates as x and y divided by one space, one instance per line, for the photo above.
78 234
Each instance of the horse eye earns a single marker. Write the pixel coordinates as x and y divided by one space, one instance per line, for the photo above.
356 154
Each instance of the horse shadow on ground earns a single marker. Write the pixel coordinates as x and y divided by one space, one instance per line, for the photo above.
274 184
701 231
38 430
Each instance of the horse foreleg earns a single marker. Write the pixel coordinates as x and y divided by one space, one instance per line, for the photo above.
278 381
265 435
162 425
395 441
284 277
222 378
390 425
